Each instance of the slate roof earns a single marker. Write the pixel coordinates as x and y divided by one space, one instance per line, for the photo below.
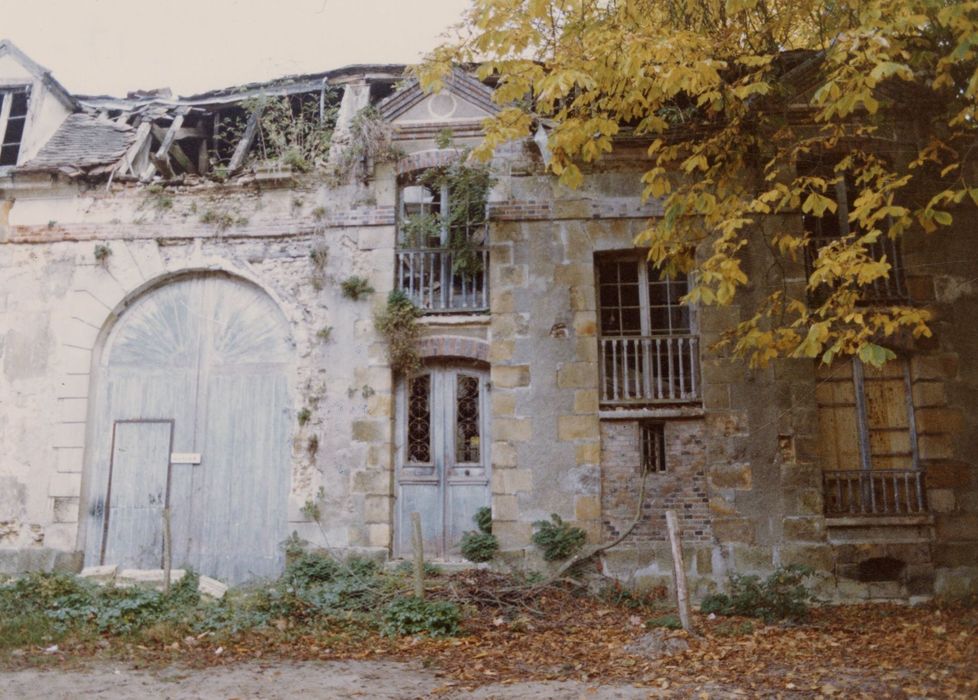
82 143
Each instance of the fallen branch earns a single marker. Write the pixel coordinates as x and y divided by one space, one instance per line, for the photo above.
593 550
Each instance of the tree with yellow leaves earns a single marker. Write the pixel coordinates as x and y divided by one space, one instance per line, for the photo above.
856 116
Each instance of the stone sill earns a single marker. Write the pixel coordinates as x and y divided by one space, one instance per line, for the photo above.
662 412
879 520
473 319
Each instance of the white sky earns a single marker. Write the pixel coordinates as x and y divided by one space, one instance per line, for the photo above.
113 46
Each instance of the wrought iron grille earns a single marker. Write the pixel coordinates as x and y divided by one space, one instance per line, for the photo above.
467 438
419 420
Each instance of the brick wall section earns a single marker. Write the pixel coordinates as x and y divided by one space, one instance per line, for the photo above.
454 346
682 487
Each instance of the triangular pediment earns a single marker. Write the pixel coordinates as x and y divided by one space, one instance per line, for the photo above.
15 65
462 98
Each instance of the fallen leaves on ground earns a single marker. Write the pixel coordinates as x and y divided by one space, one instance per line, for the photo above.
870 651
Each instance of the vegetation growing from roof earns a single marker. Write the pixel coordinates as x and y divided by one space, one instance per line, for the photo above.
714 85
370 140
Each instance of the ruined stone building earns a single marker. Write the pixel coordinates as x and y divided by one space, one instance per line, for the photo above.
188 295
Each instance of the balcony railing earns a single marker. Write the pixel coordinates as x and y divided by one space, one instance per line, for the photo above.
429 278
649 369
874 492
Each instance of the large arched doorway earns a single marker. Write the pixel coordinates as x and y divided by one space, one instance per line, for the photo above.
192 413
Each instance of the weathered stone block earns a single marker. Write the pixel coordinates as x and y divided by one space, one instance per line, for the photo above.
585 323
947 473
503 455
589 453
512 429
373 482
505 508
577 427
805 529
66 509
377 509
803 502
731 476
586 401
502 302
816 556
510 275
577 375
748 559
938 420
801 474
582 298
511 376
503 403
586 349
501 350
379 535
733 530
959 526
955 554
929 394
721 506
512 534
211 587
574 275
941 500
99 573
587 508
369 431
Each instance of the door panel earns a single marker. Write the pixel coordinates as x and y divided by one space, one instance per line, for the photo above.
442 468
134 526
212 353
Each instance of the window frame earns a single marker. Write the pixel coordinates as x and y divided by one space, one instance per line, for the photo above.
648 463
6 104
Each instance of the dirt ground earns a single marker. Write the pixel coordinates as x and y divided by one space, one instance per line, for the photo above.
270 681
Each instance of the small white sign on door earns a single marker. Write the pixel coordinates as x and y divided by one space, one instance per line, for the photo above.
185 458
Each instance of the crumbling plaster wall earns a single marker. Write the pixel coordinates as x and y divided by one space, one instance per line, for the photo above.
56 299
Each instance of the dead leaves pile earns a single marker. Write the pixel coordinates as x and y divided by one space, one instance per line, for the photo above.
869 651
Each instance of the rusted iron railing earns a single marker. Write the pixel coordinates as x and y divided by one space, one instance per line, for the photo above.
649 369
874 492
435 282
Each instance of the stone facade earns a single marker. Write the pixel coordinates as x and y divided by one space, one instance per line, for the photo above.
744 468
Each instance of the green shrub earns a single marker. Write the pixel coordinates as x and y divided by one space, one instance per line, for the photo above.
308 569
557 539
781 596
479 546
482 545
483 519
437 618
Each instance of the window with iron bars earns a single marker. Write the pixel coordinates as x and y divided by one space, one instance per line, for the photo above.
649 350
652 445
13 119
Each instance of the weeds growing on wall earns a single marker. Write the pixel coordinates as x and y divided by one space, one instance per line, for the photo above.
102 253
369 140
356 287
398 323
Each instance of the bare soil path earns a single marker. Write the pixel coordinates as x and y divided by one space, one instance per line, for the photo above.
387 680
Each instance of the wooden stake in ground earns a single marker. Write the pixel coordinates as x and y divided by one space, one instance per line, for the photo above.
167 553
679 570
418 545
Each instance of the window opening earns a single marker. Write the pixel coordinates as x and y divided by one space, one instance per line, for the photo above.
13 118
649 352
833 226
652 445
